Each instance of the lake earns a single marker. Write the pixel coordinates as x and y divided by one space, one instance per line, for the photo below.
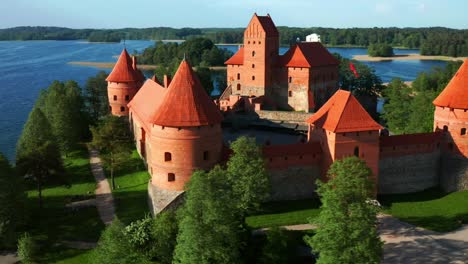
30 66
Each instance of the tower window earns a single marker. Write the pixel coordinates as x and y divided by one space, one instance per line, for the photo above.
253 78
253 52
254 42
127 98
463 131
238 76
259 42
356 151
290 79
445 129
206 155
115 97
170 177
253 66
167 156
122 109
290 93
238 87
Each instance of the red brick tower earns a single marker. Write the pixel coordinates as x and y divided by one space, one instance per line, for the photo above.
451 113
250 71
185 132
344 129
123 83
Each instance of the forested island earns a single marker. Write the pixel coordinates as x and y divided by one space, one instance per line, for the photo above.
431 41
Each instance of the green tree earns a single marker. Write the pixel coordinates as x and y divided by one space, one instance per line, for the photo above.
27 249
421 119
164 233
380 50
12 200
114 247
204 74
96 98
275 250
209 227
112 138
37 155
247 175
397 107
347 222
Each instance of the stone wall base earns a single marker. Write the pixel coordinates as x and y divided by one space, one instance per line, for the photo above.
160 200
454 173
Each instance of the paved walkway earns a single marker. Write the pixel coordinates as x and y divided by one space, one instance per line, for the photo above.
104 198
8 258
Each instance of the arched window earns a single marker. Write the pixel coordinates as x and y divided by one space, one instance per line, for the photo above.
463 131
445 129
356 151
253 52
238 87
170 177
167 156
238 76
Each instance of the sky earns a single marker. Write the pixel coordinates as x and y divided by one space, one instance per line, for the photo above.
231 13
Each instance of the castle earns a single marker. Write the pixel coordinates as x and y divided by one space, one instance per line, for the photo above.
178 128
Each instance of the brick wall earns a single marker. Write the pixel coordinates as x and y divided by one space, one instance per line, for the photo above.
454 173
294 182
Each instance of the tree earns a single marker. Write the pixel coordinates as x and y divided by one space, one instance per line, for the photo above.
275 250
204 74
96 98
397 107
247 175
37 155
380 50
12 200
27 249
114 247
164 233
209 227
112 138
347 222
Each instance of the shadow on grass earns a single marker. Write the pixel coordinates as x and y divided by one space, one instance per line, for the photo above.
131 205
289 206
426 195
438 223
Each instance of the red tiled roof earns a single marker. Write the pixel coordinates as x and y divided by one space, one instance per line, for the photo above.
308 54
147 101
237 58
292 149
455 94
343 113
267 24
186 103
410 139
123 70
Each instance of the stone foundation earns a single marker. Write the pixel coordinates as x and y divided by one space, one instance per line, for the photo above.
454 173
160 200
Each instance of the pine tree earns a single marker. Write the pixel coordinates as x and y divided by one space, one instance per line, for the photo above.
347 223
97 101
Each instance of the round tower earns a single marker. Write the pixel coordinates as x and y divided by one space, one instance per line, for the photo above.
123 83
185 133
451 113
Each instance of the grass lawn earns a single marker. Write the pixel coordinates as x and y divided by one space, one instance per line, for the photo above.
431 209
285 213
131 194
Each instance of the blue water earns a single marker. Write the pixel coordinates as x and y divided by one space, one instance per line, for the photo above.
28 67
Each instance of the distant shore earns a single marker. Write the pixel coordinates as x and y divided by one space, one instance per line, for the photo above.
110 65
412 56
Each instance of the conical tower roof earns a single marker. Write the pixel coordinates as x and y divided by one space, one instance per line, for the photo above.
123 70
455 94
186 103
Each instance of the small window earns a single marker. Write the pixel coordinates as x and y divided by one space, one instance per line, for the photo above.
290 93
238 76
357 134
463 131
445 129
238 87
259 42
290 79
254 42
253 52
356 151
206 155
248 42
253 66
127 98
167 156
115 97
170 177
122 109
253 78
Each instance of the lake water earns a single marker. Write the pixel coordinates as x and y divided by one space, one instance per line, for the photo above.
28 67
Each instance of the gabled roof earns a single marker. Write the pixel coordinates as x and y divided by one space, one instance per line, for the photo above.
237 58
455 94
123 70
186 103
267 24
308 54
147 100
343 113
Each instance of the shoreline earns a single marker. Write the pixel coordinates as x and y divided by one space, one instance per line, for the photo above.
110 65
411 56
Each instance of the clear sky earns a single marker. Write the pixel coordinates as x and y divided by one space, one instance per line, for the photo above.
231 13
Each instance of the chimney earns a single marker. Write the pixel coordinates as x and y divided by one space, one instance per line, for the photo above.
134 63
167 81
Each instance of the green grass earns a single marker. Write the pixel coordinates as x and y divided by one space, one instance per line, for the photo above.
431 209
131 194
60 255
285 213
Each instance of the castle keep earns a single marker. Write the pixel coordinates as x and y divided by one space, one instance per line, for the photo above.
177 127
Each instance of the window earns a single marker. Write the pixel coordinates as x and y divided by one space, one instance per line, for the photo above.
167 156
445 129
253 52
170 177
356 151
238 76
253 66
206 155
115 97
248 42
238 87
290 93
253 78
254 42
259 42
290 79
127 98
122 109
463 131
357 134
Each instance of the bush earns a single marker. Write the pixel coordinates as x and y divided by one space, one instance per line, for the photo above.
27 249
380 50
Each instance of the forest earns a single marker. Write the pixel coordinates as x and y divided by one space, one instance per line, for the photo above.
431 41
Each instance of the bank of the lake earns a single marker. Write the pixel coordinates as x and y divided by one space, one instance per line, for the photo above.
411 56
